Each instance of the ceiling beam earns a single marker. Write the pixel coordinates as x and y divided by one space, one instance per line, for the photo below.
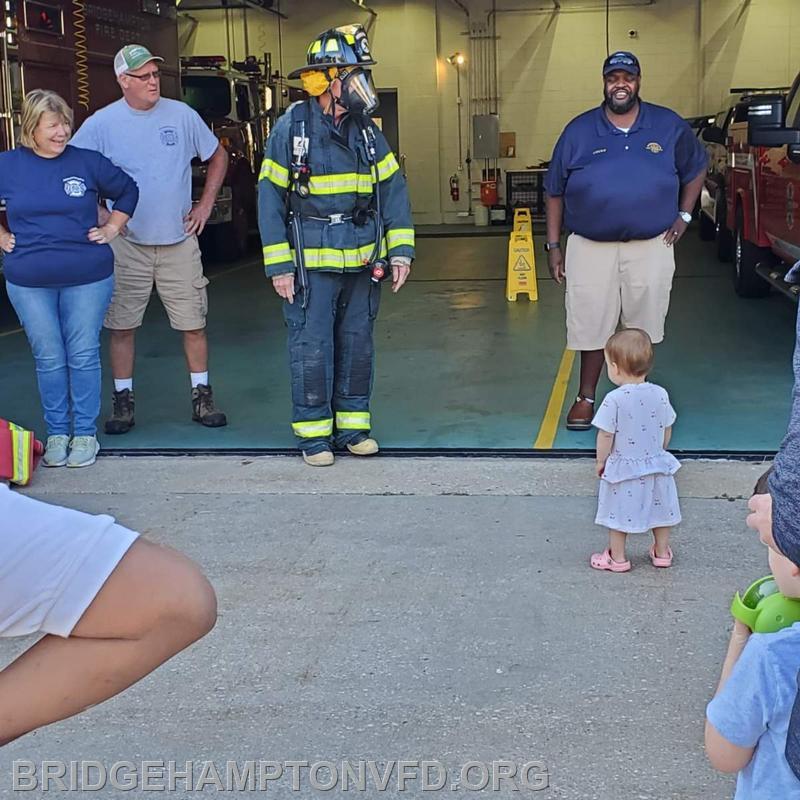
222 5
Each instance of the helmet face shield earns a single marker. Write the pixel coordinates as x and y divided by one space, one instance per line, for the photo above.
359 95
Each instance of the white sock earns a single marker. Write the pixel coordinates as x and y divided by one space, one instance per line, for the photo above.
199 377
121 385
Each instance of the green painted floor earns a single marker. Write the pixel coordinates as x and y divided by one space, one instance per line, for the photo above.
458 367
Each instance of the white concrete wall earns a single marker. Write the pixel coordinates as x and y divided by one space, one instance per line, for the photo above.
692 53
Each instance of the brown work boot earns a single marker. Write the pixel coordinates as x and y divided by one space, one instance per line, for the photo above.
581 414
121 419
203 409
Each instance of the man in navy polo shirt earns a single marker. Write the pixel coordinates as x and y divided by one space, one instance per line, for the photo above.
623 178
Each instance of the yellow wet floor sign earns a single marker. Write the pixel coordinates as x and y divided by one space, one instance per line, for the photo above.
521 274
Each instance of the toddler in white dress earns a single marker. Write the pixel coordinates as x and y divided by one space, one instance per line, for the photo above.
634 425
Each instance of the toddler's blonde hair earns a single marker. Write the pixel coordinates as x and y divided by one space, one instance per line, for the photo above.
632 351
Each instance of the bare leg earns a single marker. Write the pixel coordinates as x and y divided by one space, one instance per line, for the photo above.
592 362
579 417
661 535
195 346
616 543
122 351
154 604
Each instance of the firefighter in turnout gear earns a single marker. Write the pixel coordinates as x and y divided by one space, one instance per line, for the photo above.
334 218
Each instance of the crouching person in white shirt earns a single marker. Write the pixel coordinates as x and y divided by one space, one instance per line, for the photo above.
113 607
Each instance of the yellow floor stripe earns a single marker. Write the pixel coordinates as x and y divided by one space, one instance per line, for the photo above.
555 405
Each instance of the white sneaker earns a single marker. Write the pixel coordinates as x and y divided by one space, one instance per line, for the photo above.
55 453
83 451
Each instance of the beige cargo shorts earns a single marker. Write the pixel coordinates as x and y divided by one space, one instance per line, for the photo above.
176 270
616 284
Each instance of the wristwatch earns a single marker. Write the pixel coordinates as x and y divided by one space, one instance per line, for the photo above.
685 216
548 246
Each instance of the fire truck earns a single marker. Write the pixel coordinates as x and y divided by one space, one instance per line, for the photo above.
237 104
763 198
240 103
69 47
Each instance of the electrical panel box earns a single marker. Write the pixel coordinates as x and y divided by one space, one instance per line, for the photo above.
486 136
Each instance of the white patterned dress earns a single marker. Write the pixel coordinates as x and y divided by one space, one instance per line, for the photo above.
637 490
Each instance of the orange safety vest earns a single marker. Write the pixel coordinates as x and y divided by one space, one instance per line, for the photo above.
20 453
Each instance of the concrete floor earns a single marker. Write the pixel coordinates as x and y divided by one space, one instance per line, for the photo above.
410 609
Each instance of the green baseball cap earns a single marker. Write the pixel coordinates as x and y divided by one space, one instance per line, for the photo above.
132 56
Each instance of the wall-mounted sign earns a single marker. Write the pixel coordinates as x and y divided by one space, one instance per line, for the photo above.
44 18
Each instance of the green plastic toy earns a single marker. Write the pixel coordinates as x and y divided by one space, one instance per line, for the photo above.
764 609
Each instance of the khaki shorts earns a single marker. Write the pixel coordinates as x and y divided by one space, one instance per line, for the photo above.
177 272
616 284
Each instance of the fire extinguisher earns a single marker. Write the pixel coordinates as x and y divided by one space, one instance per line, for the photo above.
454 188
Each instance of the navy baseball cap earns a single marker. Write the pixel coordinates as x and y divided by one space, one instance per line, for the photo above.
623 60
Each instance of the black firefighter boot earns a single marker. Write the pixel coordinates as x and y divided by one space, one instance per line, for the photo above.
203 408
121 419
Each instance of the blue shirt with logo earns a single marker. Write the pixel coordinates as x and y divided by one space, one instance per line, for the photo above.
51 205
619 186
155 148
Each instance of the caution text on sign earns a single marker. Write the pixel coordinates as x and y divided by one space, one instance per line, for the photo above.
521 272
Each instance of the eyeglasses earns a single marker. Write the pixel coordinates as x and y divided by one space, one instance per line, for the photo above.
155 75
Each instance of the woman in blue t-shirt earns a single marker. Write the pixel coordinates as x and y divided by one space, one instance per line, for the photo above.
58 267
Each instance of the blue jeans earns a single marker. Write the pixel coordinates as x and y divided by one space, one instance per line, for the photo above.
63 328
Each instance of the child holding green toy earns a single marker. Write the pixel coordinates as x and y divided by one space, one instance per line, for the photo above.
748 718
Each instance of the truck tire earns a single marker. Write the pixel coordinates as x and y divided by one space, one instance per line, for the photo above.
706 228
723 234
746 281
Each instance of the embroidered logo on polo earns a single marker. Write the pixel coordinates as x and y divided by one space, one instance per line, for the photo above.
74 187
599 150
169 136
654 147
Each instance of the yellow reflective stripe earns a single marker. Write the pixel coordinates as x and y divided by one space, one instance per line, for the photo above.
387 167
341 183
353 420
332 46
314 428
328 257
274 172
315 47
20 455
400 236
277 253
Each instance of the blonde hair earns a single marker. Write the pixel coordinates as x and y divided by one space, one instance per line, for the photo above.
37 103
632 351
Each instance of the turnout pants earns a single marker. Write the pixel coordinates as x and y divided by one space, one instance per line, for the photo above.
331 358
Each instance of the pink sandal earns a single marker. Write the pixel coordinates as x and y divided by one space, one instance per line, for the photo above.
658 561
604 561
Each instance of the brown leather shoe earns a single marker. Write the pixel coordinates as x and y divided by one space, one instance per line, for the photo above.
581 414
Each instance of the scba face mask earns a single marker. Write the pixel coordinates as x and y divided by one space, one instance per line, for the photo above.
359 95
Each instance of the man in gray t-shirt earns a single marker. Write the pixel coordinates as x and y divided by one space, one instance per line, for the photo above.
154 140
